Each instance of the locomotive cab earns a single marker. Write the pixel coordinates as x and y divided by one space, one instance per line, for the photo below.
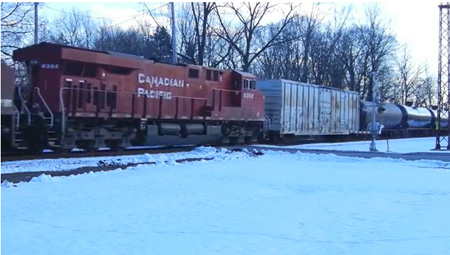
38 69
245 84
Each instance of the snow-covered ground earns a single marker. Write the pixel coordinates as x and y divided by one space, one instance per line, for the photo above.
278 203
410 145
397 146
73 163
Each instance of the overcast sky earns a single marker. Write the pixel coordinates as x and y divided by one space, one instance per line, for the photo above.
414 23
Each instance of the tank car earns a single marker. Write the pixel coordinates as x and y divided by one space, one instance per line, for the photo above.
399 117
418 117
389 115
92 99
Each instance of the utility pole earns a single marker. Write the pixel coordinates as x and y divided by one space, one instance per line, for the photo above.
36 25
373 145
174 45
443 86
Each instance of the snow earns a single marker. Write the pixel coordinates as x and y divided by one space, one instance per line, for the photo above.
277 203
74 163
397 146
409 145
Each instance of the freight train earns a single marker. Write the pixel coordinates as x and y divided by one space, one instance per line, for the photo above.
73 97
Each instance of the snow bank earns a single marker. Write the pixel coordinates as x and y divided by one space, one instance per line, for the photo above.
277 203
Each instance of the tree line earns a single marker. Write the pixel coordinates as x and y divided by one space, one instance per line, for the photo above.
273 41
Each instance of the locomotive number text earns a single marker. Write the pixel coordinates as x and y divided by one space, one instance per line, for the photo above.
249 95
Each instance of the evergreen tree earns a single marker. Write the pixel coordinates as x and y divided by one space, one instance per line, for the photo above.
161 45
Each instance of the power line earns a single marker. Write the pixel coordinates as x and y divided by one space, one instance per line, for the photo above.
151 15
134 17
76 14
110 18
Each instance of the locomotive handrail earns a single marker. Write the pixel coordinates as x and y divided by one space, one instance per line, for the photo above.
267 122
228 90
62 103
38 90
195 98
24 106
63 114
17 117
236 92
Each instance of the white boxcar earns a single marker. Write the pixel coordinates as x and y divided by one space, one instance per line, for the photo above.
296 108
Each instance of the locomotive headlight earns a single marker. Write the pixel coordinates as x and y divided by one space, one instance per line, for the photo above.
5 131
6 103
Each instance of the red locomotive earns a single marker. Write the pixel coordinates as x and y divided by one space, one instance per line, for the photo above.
92 99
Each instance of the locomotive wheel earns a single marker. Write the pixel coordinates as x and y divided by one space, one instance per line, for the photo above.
115 145
35 150
251 139
233 140
87 145
61 150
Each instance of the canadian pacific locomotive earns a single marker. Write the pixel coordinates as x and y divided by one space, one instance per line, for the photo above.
92 99
73 97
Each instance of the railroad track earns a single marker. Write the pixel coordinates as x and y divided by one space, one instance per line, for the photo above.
252 150
12 178
99 153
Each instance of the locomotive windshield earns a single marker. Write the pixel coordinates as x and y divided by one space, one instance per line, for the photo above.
249 84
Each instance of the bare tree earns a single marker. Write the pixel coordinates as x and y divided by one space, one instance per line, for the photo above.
387 91
380 46
326 67
409 77
313 55
199 43
291 59
201 12
349 51
75 28
283 60
425 93
16 25
187 47
249 38
195 30
309 26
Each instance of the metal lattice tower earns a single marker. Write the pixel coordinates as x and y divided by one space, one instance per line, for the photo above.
443 89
